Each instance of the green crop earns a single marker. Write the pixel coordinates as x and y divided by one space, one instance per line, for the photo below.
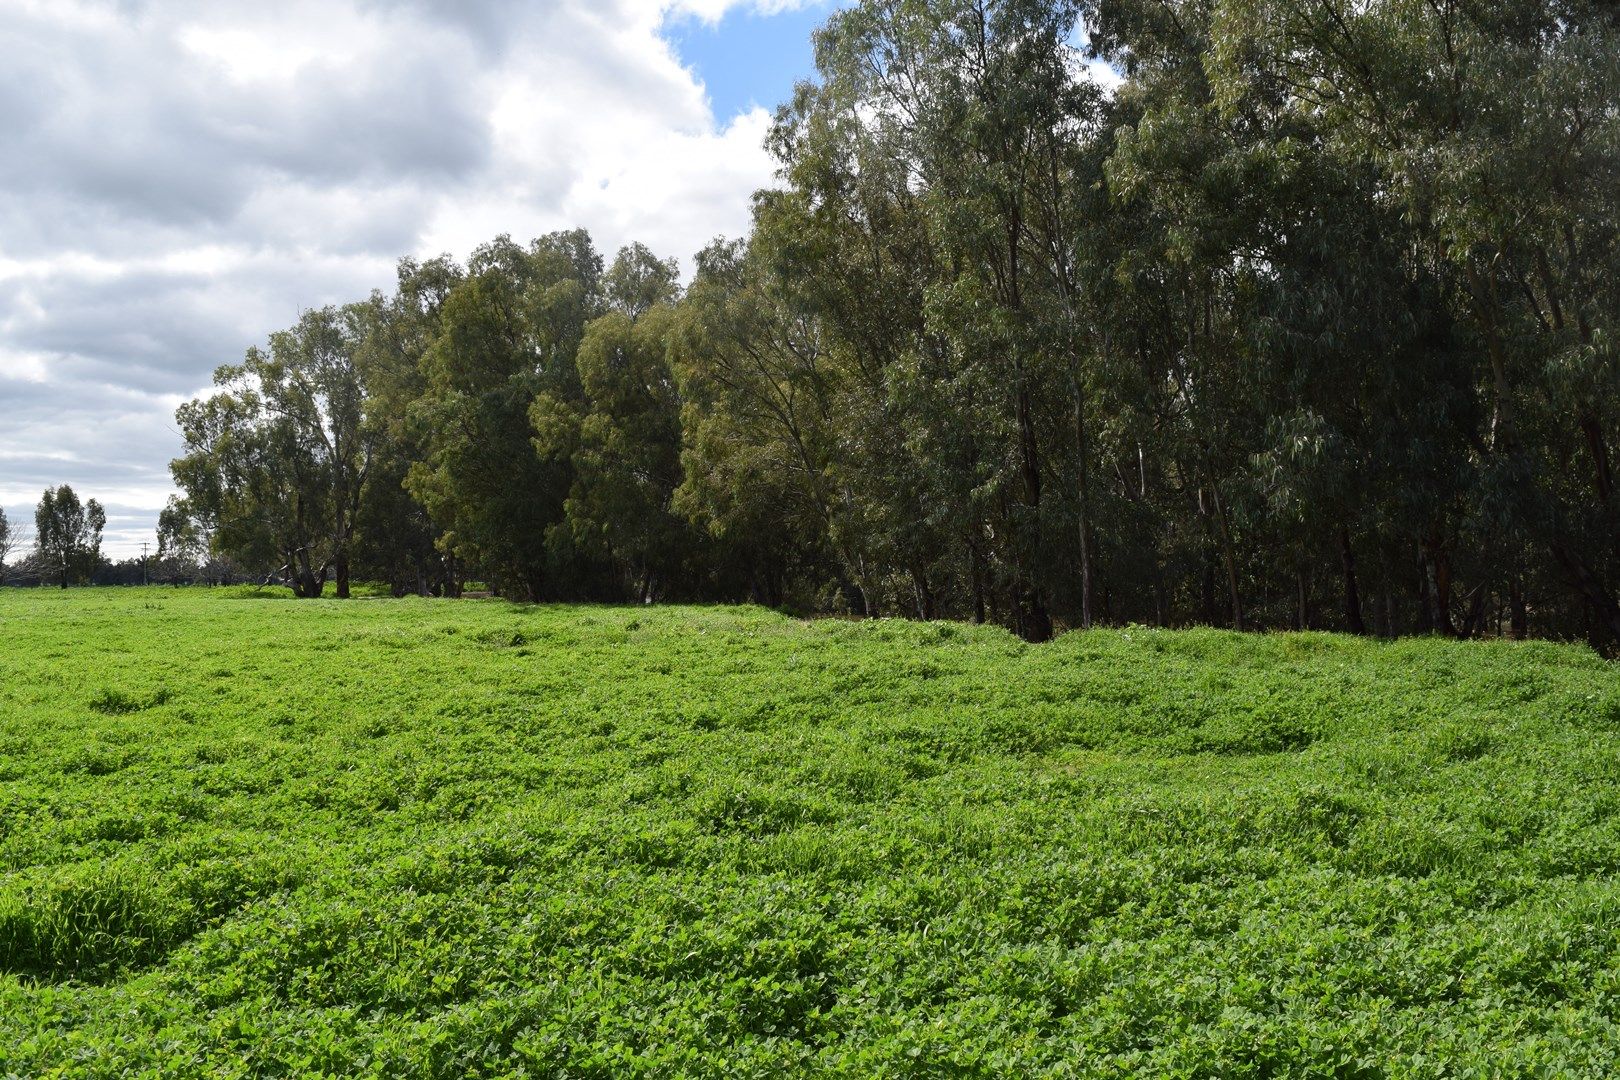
458 839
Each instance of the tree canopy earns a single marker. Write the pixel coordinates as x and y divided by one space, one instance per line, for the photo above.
67 535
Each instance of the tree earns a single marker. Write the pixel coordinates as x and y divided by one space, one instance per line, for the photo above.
848 244
1497 129
978 102
67 535
277 459
621 433
758 437
1309 323
8 543
506 334
181 539
397 541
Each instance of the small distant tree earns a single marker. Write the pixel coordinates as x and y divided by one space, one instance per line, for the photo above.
17 561
10 542
67 535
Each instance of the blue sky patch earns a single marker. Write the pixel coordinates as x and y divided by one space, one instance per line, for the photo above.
749 59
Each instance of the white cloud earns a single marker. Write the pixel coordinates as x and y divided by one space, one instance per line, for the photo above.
711 11
178 179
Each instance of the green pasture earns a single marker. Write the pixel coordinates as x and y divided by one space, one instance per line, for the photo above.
243 835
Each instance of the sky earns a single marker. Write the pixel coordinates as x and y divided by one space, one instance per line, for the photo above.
178 178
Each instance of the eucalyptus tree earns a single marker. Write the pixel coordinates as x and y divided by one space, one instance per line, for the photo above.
758 432
278 457
981 104
67 535
638 281
1497 129
620 434
1318 406
184 553
396 540
507 333
847 238
180 535
1205 209
1309 322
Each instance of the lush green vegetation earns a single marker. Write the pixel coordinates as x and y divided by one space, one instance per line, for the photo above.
1309 323
460 838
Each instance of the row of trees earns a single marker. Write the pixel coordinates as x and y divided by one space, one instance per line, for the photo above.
1309 323
65 549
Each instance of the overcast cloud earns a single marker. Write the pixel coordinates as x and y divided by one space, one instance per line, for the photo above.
178 179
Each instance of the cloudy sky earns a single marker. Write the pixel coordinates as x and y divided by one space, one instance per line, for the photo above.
179 178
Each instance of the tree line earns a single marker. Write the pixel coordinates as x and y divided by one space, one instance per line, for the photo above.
1308 323
64 549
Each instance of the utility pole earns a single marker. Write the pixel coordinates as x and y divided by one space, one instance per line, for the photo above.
143 563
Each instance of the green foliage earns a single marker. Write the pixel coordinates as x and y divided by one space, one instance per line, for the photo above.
756 443
619 431
67 535
506 335
1308 323
277 458
432 838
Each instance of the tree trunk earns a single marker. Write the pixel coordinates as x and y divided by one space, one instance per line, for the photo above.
1229 557
923 594
1085 510
1206 592
1352 592
1035 624
307 587
978 584
1476 611
1598 598
1425 613
1437 574
341 567
854 597
1598 447
1518 620
1302 584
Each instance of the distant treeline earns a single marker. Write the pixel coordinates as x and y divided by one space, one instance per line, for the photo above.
26 572
1310 323
65 549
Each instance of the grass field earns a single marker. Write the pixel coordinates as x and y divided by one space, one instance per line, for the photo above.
434 838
